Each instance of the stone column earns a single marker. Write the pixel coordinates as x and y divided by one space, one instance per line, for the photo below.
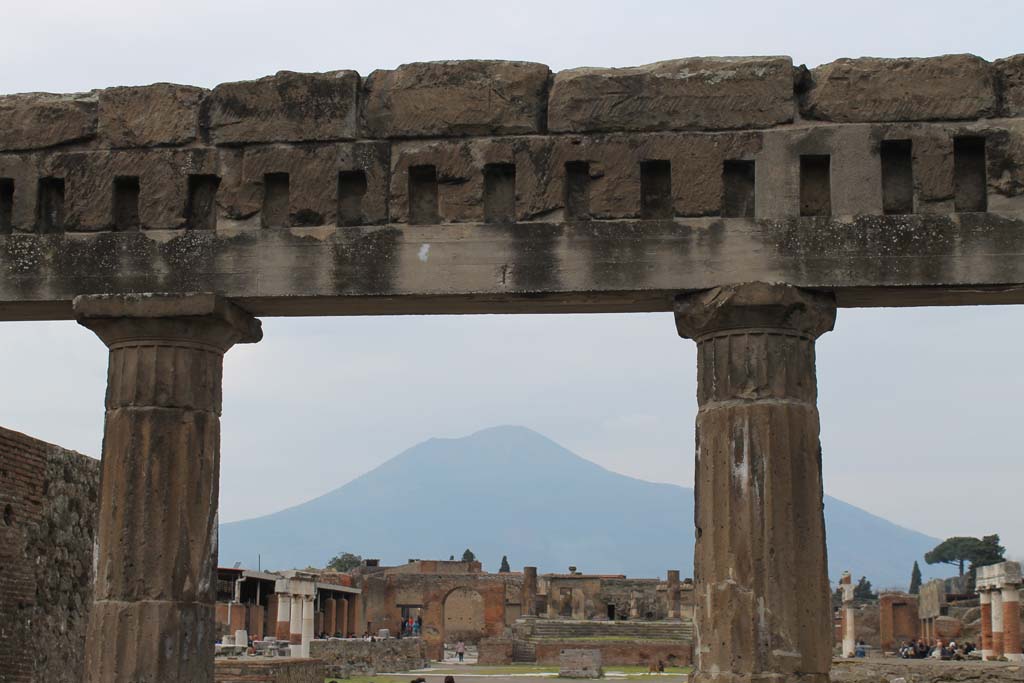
343 617
330 616
997 624
284 616
634 605
307 624
985 599
152 617
762 590
673 594
849 639
1011 623
529 595
295 623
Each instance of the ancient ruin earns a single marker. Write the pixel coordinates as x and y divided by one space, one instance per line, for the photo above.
751 197
999 588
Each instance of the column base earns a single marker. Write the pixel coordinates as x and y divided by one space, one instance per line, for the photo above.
150 640
1015 658
730 677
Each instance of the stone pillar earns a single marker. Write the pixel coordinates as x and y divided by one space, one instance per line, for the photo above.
152 617
673 594
634 605
997 624
295 622
849 638
343 617
330 616
1011 624
529 595
284 616
985 599
308 608
762 590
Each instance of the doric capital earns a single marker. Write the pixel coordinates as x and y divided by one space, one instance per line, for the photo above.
205 319
755 306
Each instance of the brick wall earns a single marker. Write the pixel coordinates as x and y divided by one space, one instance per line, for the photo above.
48 499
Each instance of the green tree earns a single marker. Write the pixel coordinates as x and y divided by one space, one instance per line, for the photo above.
451 559
505 569
862 591
468 556
961 550
344 562
915 579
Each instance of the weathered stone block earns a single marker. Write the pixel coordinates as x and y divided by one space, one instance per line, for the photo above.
578 663
286 107
158 114
951 87
683 94
37 120
1010 73
473 97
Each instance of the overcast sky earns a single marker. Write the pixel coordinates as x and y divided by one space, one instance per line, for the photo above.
920 407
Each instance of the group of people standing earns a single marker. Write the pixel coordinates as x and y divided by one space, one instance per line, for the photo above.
410 626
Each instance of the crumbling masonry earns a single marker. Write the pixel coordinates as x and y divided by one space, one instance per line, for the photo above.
750 197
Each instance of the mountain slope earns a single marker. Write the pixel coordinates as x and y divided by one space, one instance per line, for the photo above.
510 491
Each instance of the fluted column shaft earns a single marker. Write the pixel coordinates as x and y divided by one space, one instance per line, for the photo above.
152 618
282 631
762 591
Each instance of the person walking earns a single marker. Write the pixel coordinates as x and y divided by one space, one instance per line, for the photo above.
460 650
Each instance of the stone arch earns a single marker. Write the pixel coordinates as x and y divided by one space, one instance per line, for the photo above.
463 615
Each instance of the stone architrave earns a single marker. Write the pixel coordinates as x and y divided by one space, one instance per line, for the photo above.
529 595
762 590
152 617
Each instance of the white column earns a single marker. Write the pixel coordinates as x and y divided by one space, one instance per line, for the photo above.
308 615
284 610
295 627
849 641
997 623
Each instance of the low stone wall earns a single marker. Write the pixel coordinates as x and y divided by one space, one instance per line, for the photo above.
580 663
269 671
887 670
345 658
494 651
621 652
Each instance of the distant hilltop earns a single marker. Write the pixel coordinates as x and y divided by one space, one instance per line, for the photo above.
509 491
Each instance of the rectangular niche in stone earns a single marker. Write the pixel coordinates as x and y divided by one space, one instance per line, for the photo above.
201 209
423 204
50 205
6 205
656 189
499 193
815 185
351 190
276 195
897 176
969 182
126 203
738 189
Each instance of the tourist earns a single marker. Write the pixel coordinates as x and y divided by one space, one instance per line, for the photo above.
460 650
419 623
449 679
